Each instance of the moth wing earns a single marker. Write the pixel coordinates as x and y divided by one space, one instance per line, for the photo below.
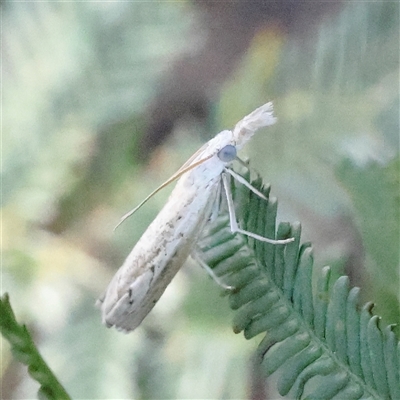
129 310
192 162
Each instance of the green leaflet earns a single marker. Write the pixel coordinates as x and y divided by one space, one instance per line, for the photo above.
316 336
25 351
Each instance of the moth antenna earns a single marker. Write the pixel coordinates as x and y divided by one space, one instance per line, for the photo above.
175 176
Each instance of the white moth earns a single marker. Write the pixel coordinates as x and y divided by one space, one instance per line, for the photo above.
171 237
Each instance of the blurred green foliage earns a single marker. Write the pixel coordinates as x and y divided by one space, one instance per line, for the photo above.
77 81
374 190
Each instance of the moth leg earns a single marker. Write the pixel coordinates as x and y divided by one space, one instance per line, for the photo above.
232 215
244 182
216 279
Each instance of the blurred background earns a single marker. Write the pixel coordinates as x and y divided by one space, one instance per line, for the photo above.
102 101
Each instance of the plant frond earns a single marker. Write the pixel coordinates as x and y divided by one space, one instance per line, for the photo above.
25 351
317 336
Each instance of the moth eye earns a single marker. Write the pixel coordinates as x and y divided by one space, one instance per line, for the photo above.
227 153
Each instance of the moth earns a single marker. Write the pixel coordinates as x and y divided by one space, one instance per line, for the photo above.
171 238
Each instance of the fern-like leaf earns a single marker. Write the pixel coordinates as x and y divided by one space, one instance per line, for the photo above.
25 351
316 335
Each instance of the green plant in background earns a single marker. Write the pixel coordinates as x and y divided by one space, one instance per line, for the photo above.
374 189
